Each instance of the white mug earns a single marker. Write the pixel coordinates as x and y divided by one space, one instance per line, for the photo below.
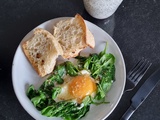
101 9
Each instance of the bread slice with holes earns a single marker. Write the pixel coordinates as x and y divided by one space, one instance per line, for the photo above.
73 35
42 51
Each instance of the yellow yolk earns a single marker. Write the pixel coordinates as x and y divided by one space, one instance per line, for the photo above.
82 86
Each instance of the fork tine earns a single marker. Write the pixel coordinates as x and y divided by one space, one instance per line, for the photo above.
140 73
139 68
134 69
136 73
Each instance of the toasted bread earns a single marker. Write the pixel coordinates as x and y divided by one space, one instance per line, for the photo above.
42 51
73 35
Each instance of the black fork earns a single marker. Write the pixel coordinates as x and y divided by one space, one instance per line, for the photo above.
136 73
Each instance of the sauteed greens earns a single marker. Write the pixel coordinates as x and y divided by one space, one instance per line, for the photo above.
101 67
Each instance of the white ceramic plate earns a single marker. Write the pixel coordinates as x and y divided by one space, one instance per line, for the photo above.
23 74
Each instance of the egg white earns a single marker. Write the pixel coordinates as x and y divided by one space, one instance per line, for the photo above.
64 95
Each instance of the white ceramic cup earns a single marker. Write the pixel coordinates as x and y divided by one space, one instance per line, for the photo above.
101 9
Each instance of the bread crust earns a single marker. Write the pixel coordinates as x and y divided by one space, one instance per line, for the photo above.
89 38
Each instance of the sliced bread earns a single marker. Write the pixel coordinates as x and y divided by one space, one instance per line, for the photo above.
42 51
73 35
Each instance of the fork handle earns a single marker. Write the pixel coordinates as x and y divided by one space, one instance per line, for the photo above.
128 113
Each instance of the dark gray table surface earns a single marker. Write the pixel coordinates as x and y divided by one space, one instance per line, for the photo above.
135 27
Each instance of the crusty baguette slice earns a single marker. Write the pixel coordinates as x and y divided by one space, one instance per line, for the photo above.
42 51
73 35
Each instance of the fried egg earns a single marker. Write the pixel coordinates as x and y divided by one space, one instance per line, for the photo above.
77 88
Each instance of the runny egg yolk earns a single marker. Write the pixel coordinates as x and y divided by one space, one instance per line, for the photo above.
82 86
